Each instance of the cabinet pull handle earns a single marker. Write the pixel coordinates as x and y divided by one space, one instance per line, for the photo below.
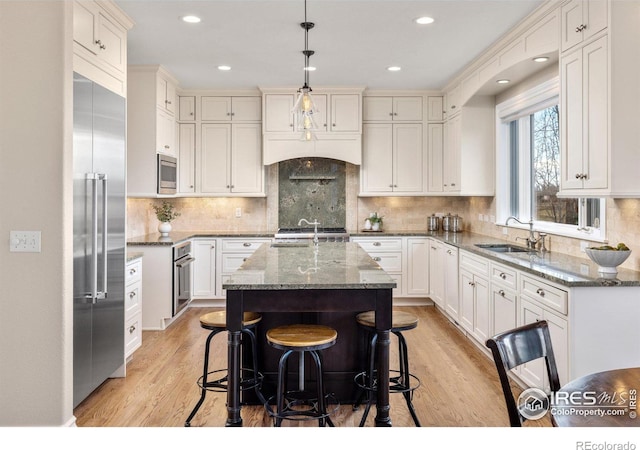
333 125
100 44
244 259
471 283
503 275
246 244
449 252
391 114
377 244
540 292
166 146
132 294
434 248
232 186
191 114
377 258
453 184
453 106
132 271
501 292
132 328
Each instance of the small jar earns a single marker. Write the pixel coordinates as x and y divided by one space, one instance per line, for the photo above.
367 224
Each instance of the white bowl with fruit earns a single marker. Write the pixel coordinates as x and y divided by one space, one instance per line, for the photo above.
608 258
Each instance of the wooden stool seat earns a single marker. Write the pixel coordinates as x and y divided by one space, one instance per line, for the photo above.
400 320
218 319
298 336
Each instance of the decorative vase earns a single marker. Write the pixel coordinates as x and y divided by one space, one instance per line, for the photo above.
376 226
164 228
367 224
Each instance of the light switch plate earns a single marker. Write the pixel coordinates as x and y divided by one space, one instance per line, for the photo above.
24 241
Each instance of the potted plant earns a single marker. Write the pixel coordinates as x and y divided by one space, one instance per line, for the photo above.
376 221
165 213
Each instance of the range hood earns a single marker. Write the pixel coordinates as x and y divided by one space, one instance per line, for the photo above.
278 148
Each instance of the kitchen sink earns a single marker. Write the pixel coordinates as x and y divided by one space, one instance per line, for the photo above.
503 248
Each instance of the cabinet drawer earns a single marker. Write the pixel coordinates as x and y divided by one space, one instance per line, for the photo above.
232 261
241 245
390 262
380 245
476 264
132 299
504 276
544 293
132 334
133 271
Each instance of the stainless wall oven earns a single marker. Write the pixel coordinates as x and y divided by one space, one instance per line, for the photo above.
167 174
182 260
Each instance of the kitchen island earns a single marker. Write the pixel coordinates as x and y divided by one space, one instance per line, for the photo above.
308 281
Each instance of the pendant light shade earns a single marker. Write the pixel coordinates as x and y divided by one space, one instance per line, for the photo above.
304 108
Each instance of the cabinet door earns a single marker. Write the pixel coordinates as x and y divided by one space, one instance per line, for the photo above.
84 23
377 108
435 139
278 115
215 157
451 293
407 108
246 109
596 17
204 268
558 330
215 109
571 120
345 113
408 158
165 95
418 262
321 117
467 294
436 272
532 373
377 157
451 156
246 158
572 21
482 322
186 157
453 101
113 41
435 109
187 110
165 133
505 313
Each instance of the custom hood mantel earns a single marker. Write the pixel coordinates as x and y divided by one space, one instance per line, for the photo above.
282 148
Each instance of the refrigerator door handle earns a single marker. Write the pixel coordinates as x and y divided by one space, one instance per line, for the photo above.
103 294
93 295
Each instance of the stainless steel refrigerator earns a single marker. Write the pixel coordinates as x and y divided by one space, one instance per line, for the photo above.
98 235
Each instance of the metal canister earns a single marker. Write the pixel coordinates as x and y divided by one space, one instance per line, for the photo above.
446 222
433 222
456 223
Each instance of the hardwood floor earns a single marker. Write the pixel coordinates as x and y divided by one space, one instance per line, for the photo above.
460 386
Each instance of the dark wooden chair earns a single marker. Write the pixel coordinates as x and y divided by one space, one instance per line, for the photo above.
518 346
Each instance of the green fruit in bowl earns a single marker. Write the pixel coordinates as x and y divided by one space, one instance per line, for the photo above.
622 246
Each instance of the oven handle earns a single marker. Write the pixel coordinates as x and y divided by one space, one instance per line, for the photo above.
184 261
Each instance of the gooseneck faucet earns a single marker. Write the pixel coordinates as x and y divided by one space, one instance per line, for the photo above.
315 224
531 240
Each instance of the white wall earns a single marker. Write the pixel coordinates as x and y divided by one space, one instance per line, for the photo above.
36 348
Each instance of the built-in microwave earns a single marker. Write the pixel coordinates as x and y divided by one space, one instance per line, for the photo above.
167 174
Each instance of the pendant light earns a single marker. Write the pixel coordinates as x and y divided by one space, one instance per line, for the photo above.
304 108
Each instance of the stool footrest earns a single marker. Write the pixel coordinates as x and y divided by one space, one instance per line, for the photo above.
301 406
247 380
396 385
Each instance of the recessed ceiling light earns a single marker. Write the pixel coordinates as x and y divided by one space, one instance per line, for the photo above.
191 19
310 68
224 68
502 81
424 20
394 68
541 59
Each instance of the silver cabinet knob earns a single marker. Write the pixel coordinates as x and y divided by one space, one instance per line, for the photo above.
377 258
246 244
132 328
540 292
377 244
501 292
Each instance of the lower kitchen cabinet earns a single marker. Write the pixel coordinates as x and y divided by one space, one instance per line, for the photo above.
474 295
234 251
204 269
436 272
451 285
388 253
504 298
133 306
418 266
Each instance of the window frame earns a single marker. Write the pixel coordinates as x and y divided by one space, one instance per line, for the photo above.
521 106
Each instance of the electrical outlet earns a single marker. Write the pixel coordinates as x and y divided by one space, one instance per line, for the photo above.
238 212
583 245
505 231
492 219
24 241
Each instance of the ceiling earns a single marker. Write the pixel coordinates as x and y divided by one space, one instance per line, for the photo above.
354 40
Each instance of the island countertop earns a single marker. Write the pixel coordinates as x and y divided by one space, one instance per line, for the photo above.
329 265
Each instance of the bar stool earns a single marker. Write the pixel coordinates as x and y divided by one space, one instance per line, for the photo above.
400 380
250 378
301 405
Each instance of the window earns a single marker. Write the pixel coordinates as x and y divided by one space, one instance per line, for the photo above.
529 153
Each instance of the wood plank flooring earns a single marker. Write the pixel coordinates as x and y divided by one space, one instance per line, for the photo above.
460 386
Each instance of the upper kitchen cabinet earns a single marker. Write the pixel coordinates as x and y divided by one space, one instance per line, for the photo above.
100 43
151 126
599 105
338 119
435 109
378 108
186 108
231 109
581 20
452 101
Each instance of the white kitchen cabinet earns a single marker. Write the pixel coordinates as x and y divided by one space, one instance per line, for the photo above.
187 157
504 311
204 269
233 252
392 159
418 263
435 109
133 306
397 108
187 108
436 273
100 43
278 115
435 152
231 108
469 149
345 113
231 159
388 253
474 296
452 101
582 19
151 126
451 283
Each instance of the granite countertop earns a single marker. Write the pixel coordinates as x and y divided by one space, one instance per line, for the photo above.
330 265
132 256
567 270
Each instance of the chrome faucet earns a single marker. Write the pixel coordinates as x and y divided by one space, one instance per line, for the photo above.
531 240
315 224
